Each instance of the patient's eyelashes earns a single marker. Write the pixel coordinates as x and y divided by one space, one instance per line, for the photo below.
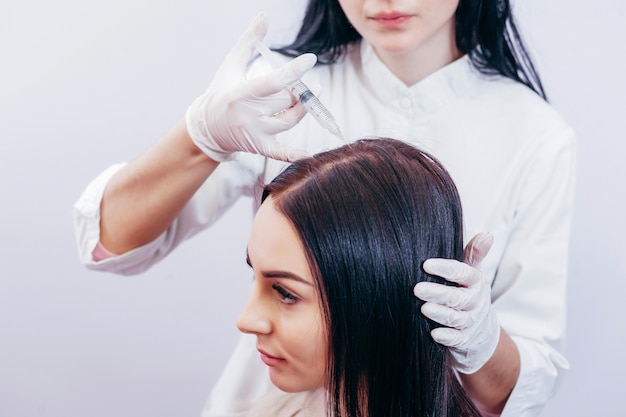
285 296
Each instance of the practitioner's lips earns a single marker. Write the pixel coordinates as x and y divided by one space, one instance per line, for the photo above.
391 19
268 359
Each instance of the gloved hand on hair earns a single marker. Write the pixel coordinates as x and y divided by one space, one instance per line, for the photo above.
471 328
237 114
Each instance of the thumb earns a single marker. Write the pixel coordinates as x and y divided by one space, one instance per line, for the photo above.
477 249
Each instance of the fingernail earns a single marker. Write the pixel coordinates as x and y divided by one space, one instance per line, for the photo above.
306 62
433 266
297 154
260 16
484 243
418 291
486 238
445 336
259 25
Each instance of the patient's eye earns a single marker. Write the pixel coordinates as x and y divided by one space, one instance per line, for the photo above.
285 296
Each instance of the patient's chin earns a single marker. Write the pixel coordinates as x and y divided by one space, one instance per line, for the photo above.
292 383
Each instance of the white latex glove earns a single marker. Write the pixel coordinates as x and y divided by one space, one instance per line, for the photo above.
236 114
472 331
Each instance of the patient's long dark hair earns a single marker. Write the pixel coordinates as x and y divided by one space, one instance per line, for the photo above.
485 30
368 214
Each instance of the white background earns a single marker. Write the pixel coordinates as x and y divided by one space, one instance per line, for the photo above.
87 83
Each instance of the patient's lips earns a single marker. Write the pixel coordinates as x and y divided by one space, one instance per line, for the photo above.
270 360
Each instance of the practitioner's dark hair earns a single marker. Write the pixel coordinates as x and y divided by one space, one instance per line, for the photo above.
368 215
485 30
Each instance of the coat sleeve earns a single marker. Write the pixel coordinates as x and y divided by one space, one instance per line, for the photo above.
229 181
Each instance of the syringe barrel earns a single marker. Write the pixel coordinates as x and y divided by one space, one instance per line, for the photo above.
310 102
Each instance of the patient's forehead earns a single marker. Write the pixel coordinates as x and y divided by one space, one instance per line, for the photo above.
274 243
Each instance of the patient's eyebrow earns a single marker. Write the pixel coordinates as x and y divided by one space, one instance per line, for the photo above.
285 274
279 274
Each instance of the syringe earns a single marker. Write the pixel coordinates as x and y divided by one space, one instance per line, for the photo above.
304 95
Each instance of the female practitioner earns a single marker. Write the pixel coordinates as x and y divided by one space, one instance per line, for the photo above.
450 76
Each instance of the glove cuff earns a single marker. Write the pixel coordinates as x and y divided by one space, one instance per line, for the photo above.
199 134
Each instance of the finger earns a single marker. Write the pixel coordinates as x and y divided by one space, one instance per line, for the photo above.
281 121
454 297
282 152
266 105
284 76
241 53
291 116
272 125
447 337
295 69
453 271
477 249
447 316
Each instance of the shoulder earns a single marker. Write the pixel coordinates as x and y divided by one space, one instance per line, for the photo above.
517 103
509 113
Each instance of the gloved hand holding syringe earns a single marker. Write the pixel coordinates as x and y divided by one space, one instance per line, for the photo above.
304 95
242 114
